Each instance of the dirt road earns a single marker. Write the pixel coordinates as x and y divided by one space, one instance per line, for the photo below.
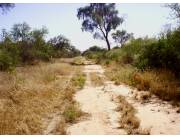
158 116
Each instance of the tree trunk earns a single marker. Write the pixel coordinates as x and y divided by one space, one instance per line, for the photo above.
108 44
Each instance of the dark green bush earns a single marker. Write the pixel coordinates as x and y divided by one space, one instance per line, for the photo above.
6 61
22 45
165 53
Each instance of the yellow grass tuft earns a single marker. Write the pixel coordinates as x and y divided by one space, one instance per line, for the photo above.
128 120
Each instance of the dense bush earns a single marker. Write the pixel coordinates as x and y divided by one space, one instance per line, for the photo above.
145 53
21 45
165 53
6 61
127 54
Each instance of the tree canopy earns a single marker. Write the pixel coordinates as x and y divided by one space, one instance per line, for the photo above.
175 11
6 6
20 31
100 19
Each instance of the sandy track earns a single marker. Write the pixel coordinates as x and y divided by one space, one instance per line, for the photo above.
158 116
103 118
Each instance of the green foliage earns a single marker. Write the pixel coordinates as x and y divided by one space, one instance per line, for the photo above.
127 54
6 6
62 47
79 80
22 45
71 113
165 53
6 61
121 36
99 19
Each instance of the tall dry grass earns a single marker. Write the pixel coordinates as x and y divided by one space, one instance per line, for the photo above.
30 96
159 82
120 73
162 83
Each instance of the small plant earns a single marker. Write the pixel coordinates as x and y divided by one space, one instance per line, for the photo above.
71 113
79 80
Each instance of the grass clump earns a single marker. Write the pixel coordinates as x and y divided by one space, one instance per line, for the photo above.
72 113
79 60
79 80
128 119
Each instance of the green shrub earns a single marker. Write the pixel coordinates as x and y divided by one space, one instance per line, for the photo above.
6 61
79 80
71 113
165 53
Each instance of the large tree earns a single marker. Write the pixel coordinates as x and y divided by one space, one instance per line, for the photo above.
99 19
6 6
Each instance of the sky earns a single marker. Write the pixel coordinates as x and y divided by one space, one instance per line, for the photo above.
140 19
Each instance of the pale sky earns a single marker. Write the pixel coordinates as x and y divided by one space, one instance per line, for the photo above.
140 19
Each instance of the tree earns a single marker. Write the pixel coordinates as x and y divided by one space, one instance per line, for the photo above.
6 6
37 35
59 42
20 32
99 19
121 36
96 48
63 47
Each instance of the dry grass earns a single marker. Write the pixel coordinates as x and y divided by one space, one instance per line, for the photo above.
79 60
96 80
29 95
60 128
128 120
120 74
71 113
142 96
79 80
159 82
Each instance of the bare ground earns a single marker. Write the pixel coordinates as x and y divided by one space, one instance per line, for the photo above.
158 116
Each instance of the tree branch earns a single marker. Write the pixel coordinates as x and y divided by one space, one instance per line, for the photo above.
100 28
